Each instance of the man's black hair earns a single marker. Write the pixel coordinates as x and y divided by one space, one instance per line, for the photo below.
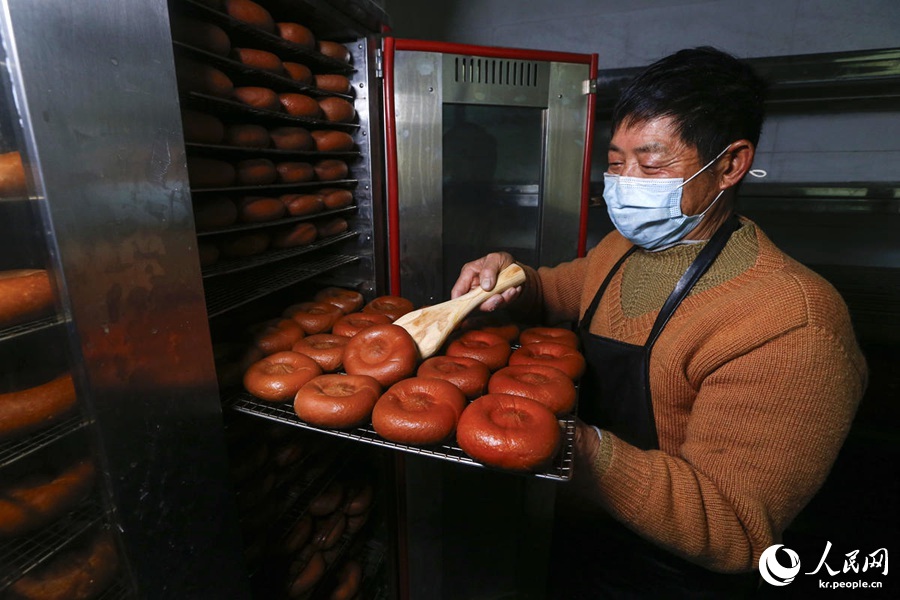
713 98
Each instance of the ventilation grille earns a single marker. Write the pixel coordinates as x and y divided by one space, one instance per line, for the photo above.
491 71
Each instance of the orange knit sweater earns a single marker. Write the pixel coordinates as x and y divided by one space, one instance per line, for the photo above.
755 381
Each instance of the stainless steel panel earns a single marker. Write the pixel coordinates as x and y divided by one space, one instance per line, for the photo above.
500 81
567 106
418 84
95 86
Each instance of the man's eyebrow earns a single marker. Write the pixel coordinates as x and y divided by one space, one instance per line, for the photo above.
645 149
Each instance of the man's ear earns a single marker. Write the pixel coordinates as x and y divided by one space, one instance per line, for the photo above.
738 160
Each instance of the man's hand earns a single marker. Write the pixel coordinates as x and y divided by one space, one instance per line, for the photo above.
483 272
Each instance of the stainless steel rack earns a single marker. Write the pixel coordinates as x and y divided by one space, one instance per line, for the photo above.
14 450
236 265
274 153
10 333
20 555
233 108
278 187
560 470
266 224
241 32
223 295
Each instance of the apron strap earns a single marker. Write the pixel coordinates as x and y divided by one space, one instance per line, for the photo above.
585 322
700 266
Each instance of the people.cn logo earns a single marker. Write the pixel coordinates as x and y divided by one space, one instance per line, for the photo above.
773 571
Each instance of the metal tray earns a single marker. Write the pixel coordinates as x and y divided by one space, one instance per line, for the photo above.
560 470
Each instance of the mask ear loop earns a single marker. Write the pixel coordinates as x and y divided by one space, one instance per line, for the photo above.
758 173
706 166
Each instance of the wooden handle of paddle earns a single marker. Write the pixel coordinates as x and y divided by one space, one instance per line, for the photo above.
509 277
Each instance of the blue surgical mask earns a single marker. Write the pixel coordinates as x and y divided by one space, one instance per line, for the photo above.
647 211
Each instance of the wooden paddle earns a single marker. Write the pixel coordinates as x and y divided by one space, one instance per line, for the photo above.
430 326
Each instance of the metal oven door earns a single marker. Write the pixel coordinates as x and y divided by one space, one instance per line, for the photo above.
488 150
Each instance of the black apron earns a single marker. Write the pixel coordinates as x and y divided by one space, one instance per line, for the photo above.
596 556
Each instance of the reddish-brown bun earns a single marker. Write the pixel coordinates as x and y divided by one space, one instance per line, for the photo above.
250 13
489 348
298 535
562 357
208 252
329 499
294 172
258 59
350 325
299 73
257 97
418 411
278 376
201 128
547 385
299 105
256 171
509 331
200 34
337 110
393 307
332 141
331 227
259 209
328 531
334 198
385 352
287 454
348 580
306 574
37 500
337 401
247 135
242 246
356 522
509 432
276 335
214 212
324 348
300 205
12 175
331 169
302 234
193 76
469 375
359 500
291 138
314 317
558 335
81 572
330 82
36 407
209 173
347 300
333 50
25 295
297 34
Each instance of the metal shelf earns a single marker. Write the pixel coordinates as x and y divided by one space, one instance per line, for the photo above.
233 108
855 80
241 32
276 223
226 267
20 555
278 187
16 449
240 152
561 469
242 74
24 329
223 295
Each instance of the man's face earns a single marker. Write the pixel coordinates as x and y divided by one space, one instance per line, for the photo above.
654 150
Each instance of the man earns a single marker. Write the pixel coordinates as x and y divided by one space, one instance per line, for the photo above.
723 376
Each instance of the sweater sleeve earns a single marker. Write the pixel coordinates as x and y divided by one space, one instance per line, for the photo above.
732 489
